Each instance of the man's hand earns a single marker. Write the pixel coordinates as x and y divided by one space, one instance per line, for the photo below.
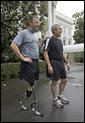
46 39
43 41
50 69
29 60
68 66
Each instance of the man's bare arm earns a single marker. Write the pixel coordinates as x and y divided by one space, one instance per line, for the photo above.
66 61
16 50
41 43
50 69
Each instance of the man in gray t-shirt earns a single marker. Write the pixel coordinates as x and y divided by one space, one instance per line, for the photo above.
27 41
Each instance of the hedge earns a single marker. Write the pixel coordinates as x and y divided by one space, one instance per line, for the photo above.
11 70
79 57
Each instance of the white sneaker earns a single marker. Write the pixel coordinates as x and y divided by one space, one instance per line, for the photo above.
63 100
57 103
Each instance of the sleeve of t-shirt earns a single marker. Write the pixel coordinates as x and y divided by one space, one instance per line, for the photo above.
47 44
19 38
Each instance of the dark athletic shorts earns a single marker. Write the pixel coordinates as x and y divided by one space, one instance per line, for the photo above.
29 71
59 71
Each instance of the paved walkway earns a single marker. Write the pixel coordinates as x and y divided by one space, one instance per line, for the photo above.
13 89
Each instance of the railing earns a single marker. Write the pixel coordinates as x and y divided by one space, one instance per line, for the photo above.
74 48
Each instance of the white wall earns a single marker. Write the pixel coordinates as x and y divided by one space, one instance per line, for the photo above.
66 24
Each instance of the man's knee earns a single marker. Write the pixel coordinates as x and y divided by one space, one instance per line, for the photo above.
29 90
64 80
54 83
29 87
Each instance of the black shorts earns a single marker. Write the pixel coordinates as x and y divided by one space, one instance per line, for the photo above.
59 71
29 71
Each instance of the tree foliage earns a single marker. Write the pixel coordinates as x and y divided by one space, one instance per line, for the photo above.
79 27
14 17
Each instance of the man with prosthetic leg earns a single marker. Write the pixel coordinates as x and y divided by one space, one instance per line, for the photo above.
26 46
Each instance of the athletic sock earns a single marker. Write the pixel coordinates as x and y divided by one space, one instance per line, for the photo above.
55 98
60 95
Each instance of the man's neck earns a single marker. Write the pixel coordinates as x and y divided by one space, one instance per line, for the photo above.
31 29
55 36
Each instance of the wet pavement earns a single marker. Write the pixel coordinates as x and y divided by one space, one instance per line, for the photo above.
12 90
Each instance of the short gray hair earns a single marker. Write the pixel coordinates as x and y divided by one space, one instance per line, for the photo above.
54 27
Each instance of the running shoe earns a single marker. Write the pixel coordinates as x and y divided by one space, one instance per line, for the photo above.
63 100
57 103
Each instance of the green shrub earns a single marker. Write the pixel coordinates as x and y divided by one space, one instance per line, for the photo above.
79 57
42 65
11 70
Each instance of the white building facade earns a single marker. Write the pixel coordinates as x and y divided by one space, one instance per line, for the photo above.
66 24
54 17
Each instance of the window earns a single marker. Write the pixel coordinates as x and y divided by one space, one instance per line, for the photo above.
69 42
69 32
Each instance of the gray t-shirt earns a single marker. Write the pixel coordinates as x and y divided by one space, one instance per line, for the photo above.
28 42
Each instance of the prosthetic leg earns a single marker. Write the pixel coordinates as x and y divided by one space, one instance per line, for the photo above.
34 110
32 105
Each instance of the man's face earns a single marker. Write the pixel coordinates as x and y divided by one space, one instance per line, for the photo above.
58 31
35 24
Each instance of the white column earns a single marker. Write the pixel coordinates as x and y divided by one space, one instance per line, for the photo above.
49 18
53 15
54 3
66 34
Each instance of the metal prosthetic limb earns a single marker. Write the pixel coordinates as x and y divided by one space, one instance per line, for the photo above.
34 110
22 104
32 105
